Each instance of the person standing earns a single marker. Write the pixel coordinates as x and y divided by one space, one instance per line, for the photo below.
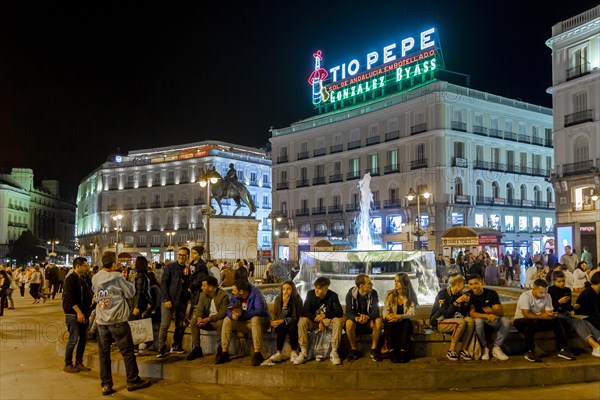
4 285
586 256
569 259
77 303
174 287
198 272
111 292
35 282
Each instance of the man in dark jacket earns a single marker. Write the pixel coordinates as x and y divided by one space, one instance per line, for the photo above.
247 312
321 310
198 272
77 301
174 287
362 316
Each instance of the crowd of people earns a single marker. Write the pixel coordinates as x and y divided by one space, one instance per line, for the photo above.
99 301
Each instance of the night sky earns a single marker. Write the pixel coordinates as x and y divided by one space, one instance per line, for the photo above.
78 81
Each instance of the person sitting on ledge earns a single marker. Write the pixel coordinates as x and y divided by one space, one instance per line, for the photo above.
287 310
561 300
588 302
248 312
535 313
398 312
450 313
321 310
362 316
208 314
486 310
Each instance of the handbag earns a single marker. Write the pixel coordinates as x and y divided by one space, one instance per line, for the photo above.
141 330
320 344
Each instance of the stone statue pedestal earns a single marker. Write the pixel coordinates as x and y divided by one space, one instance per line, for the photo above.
233 237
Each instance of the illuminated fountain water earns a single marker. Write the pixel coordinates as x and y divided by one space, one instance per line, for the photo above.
342 266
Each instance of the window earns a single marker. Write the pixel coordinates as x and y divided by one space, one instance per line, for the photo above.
479 153
265 180
253 177
303 173
303 147
420 152
374 161
510 192
581 150
283 208
142 241
535 132
509 223
494 123
392 157
479 119
337 167
549 163
393 125
393 195
495 190
284 176
495 155
523 192
523 224
549 225
537 195
549 195
459 149
373 130
480 190
458 219
522 128
508 126
458 186
320 171
523 161
354 166
265 201
510 158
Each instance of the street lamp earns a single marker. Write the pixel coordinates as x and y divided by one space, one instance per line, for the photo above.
208 177
170 247
52 242
595 195
410 196
274 217
117 218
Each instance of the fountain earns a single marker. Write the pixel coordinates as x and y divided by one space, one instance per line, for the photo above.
341 267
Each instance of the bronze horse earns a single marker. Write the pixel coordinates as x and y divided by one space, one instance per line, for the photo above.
238 192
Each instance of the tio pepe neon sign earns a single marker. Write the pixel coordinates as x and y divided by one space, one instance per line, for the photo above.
394 63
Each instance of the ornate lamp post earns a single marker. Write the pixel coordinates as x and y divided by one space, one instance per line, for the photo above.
117 218
274 217
410 196
170 247
52 242
206 179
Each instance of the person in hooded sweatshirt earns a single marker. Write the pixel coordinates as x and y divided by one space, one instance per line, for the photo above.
111 292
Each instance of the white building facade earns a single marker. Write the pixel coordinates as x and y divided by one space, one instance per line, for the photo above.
484 159
575 45
24 206
161 204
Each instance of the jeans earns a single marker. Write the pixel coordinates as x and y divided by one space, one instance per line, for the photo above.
283 330
77 336
461 328
500 325
305 325
211 326
121 332
255 326
397 335
177 311
529 327
582 327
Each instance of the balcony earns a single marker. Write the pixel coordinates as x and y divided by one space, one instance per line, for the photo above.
198 201
549 143
577 168
462 199
352 207
391 169
170 181
419 128
537 141
373 140
482 200
282 159
128 206
320 233
183 203
579 118
184 179
354 145
319 152
335 209
418 164
319 180
480 130
303 155
338 148
395 203
524 139
142 205
496 133
155 204
392 136
337 232
578 71
113 207
300 183
155 227
510 136
301 212
304 233
460 162
283 185
169 203
458 126
373 171
253 182
336 178
352 175
319 210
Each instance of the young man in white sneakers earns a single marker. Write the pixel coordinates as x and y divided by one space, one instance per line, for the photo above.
486 310
321 310
535 313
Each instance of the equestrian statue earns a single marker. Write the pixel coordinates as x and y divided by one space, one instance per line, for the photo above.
230 188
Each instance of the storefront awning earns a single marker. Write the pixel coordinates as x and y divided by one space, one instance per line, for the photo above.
462 236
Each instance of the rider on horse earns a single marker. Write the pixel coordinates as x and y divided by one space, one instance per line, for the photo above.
231 180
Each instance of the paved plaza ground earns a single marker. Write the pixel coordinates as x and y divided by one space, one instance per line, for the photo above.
31 368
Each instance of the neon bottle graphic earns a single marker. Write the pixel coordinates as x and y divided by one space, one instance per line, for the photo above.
316 79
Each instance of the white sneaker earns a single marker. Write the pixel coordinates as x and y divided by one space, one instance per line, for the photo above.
499 354
276 357
335 358
596 352
486 354
293 356
300 358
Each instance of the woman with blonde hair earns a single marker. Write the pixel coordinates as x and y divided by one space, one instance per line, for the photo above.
398 312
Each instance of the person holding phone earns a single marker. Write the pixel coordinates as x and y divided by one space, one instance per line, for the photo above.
535 313
77 303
